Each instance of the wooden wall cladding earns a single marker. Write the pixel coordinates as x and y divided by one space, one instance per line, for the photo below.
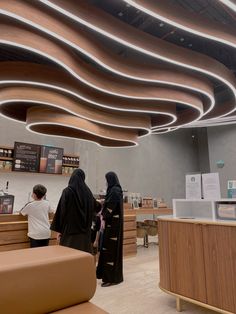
111 100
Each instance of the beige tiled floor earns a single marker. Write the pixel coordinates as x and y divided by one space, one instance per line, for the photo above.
139 293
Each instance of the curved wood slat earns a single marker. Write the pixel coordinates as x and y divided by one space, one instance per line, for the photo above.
113 108
53 122
188 21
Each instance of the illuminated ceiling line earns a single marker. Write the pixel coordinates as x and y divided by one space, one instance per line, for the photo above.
34 115
39 84
188 24
153 128
140 49
31 71
81 139
107 66
229 4
69 70
78 77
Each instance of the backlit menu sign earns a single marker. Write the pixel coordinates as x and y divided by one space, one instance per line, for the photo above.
26 157
51 159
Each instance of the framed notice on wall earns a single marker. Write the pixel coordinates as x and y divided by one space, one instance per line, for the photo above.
51 160
26 157
211 186
193 186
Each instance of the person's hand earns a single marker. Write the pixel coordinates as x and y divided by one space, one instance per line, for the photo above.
58 237
101 201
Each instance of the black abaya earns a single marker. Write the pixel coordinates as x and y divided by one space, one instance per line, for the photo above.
73 218
110 264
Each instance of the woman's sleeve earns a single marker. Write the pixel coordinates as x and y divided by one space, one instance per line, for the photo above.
109 209
59 218
97 206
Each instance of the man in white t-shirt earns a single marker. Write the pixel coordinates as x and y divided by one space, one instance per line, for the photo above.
38 217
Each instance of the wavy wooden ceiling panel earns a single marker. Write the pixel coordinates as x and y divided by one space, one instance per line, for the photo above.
88 91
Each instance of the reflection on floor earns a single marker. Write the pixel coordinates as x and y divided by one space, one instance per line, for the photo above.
139 293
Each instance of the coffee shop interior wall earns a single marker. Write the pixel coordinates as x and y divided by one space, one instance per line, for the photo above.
222 146
156 167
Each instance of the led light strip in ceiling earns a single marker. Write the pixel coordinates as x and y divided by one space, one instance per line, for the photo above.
167 18
30 125
230 4
106 66
114 108
135 47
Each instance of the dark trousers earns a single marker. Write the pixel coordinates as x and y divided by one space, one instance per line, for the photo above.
38 243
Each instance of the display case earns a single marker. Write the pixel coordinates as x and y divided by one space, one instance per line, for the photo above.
193 209
223 209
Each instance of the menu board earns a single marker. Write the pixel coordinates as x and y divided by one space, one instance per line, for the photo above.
26 157
51 160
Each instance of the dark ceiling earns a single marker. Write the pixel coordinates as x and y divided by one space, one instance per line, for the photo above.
210 9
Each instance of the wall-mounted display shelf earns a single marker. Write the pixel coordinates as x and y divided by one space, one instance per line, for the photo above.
6 158
70 162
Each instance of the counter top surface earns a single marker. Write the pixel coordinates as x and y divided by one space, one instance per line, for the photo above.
201 221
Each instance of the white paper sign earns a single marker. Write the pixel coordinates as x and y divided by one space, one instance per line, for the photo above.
193 186
211 186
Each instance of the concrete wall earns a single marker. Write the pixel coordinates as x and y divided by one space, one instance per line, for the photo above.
222 146
157 167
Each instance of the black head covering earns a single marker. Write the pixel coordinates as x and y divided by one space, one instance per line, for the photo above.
82 196
114 190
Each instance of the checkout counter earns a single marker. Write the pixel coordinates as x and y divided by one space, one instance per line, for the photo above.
14 227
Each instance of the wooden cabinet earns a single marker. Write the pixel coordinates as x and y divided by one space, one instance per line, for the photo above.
187 261
220 266
129 242
198 262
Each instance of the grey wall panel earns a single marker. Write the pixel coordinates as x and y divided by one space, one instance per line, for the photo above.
222 146
157 167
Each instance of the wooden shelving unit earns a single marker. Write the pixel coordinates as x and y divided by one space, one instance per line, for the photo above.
6 158
10 159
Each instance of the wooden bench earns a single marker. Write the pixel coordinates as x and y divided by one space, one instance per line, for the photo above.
53 279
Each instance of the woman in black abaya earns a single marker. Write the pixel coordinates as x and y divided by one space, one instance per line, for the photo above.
75 210
110 264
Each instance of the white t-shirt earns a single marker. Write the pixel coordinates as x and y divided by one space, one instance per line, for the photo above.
38 220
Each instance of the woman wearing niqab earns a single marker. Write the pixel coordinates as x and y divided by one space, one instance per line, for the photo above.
75 210
110 264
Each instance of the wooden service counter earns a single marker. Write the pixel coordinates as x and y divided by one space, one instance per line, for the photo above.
150 211
13 232
14 228
198 262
